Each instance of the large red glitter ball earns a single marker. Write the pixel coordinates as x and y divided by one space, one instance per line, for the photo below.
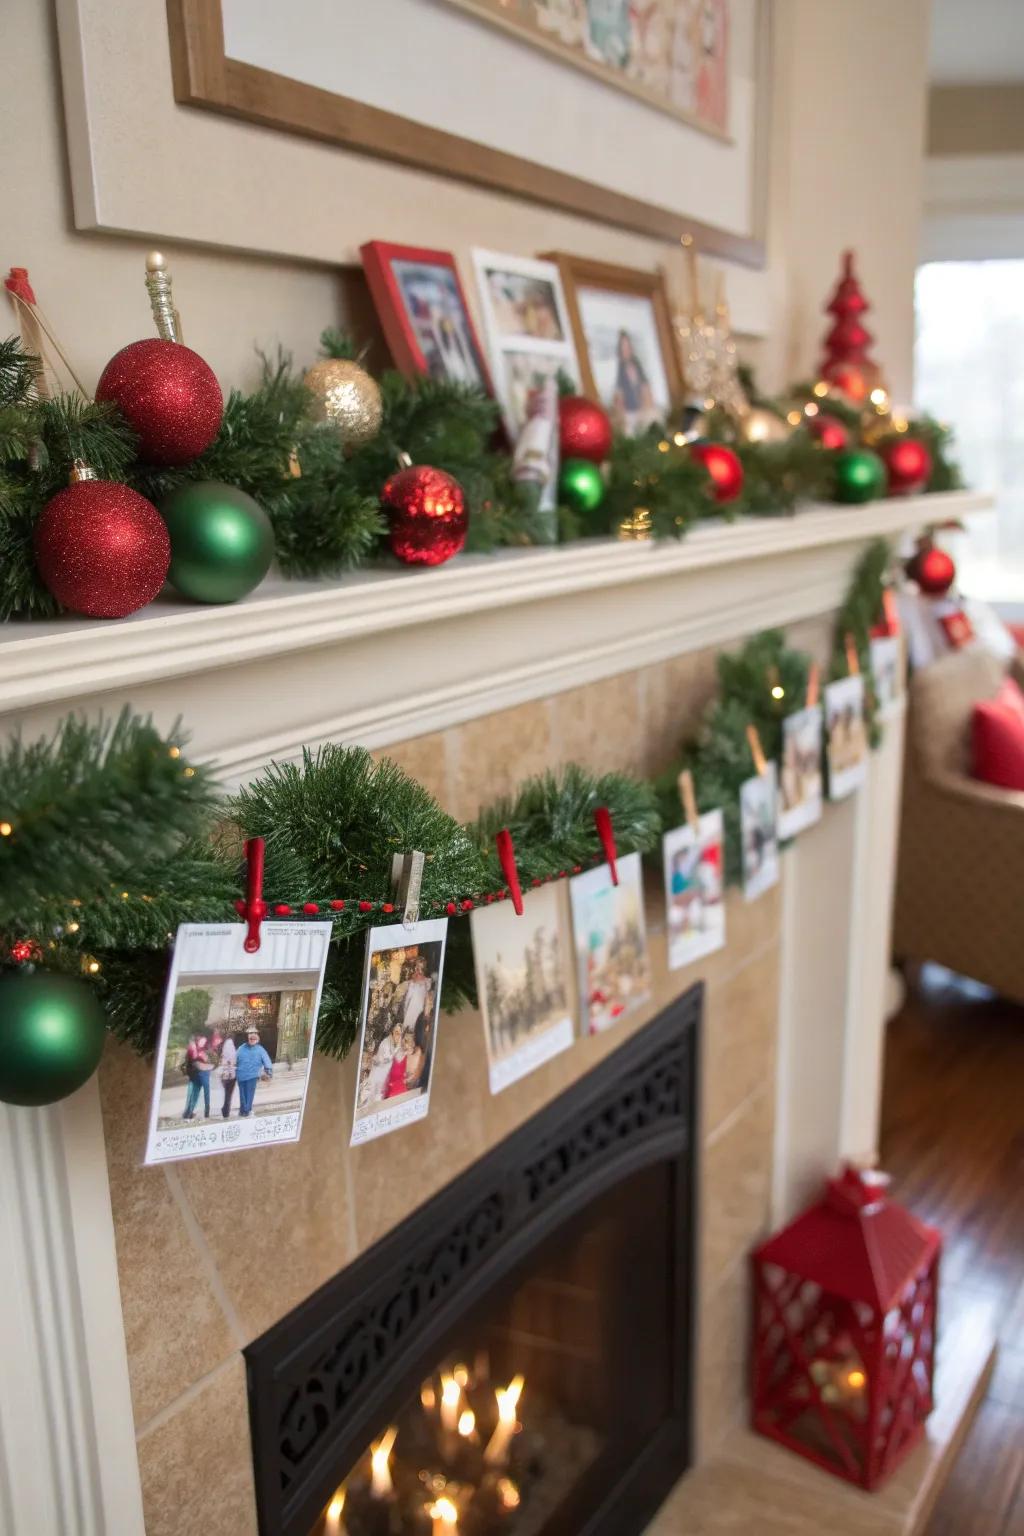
102 549
908 465
168 395
933 570
723 466
426 513
828 431
584 430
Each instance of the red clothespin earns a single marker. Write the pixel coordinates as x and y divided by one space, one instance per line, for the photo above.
255 906
507 860
603 823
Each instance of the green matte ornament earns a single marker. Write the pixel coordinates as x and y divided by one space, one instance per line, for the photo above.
51 1037
860 475
222 542
581 485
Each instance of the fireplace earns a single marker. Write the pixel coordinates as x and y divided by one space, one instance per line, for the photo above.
516 1356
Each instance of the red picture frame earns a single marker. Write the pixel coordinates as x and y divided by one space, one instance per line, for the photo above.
422 308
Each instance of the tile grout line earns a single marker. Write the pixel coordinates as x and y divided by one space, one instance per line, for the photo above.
206 1258
733 1117
176 1405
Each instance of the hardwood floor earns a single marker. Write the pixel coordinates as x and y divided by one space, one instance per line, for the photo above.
953 1140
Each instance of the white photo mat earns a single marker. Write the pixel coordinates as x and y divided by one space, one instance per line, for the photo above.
518 352
210 958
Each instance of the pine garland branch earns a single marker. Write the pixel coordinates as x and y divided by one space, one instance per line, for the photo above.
648 474
17 373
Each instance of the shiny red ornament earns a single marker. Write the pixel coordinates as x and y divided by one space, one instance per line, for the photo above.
168 395
908 465
426 512
723 466
584 429
828 431
101 549
933 570
24 950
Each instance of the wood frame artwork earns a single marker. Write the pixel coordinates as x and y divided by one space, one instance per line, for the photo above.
580 274
204 76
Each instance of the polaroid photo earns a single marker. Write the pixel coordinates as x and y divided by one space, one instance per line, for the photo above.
398 1036
695 890
887 672
759 832
801 787
523 980
526 327
611 943
847 749
236 1038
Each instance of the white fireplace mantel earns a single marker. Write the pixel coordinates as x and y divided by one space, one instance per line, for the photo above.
386 655
381 657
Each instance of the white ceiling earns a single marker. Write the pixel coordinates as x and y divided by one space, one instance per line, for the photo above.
976 40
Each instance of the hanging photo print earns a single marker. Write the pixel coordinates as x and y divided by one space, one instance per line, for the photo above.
847 736
236 1039
694 890
398 1040
522 979
759 831
887 672
611 943
800 782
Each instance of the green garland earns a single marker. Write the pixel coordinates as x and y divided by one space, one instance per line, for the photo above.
110 837
328 519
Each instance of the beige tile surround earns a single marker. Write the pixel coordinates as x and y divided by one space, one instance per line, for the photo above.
210 1253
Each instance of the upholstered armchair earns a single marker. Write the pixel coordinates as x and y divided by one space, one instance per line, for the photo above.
960 880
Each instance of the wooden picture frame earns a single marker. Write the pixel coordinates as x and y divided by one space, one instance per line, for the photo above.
643 320
205 76
426 334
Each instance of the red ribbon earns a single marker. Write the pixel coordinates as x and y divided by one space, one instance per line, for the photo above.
603 823
507 860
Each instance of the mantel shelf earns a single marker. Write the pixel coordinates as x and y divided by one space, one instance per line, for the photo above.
387 654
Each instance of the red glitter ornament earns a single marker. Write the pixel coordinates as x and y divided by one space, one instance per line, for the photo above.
101 548
933 570
426 513
723 466
168 395
908 465
24 950
829 432
584 429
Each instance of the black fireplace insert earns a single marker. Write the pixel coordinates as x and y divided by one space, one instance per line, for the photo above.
516 1356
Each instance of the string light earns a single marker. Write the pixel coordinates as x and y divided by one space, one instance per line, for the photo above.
5 829
878 397
190 773
810 409
680 439
174 752
794 418
821 389
73 927
778 692
664 446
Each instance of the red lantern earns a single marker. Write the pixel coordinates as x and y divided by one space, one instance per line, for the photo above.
723 466
844 1330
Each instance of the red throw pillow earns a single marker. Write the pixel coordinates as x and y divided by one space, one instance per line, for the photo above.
998 735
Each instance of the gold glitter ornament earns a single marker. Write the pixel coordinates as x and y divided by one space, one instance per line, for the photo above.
345 395
759 425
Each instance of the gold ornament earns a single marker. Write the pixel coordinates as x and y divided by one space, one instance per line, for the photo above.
759 425
345 395
637 526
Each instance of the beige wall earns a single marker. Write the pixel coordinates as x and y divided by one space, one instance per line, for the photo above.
849 100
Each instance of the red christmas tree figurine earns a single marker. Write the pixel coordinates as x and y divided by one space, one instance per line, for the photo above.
846 365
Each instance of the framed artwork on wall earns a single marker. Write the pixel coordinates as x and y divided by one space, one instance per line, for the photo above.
422 309
622 324
673 54
530 337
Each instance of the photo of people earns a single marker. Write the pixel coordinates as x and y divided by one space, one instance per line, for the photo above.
800 782
522 978
624 348
398 1041
847 736
887 670
524 305
694 890
526 326
436 312
759 832
236 1039
611 943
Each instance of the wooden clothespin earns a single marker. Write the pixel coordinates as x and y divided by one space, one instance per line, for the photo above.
407 877
813 685
689 800
852 658
757 751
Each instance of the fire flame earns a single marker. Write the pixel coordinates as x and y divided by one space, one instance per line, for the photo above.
444 1513
380 1470
467 1423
